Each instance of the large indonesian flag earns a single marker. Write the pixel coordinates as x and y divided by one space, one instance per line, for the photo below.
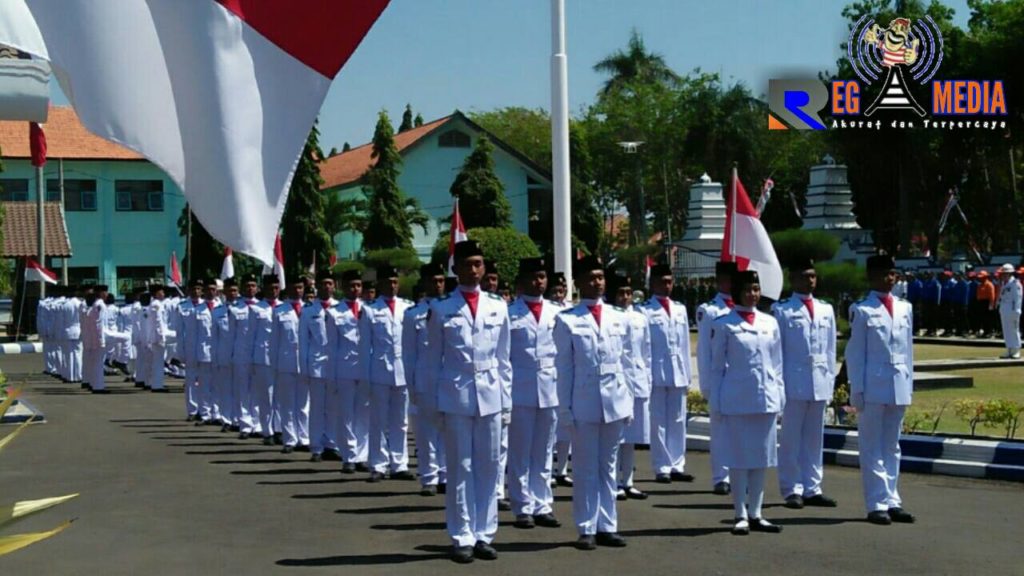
35 272
747 242
227 268
456 234
221 94
278 267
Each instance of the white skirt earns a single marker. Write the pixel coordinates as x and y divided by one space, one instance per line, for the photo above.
639 431
748 440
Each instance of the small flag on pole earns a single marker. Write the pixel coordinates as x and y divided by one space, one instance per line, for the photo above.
746 241
278 263
175 270
35 272
227 269
457 234
37 144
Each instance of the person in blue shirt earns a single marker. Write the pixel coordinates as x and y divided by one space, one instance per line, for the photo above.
931 298
915 289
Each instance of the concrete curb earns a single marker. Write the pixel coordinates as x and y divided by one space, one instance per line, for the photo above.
965 457
21 348
21 411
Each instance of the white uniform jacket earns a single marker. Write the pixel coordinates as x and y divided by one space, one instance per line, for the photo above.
670 343
808 348
707 313
92 330
242 319
380 341
591 364
314 352
532 355
467 370
72 322
746 366
879 356
638 353
262 317
201 323
343 335
183 325
284 342
1010 297
224 338
414 343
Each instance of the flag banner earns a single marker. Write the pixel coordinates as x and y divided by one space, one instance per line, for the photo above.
747 243
278 267
456 235
37 144
35 272
220 94
175 270
227 268
951 201
766 195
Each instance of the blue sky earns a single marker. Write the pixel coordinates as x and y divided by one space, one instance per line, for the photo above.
478 55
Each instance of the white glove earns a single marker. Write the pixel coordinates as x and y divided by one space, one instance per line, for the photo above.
506 417
857 400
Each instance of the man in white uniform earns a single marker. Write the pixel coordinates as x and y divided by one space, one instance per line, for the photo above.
223 351
880 361
262 357
159 333
1009 310
315 359
242 320
808 329
187 340
94 342
291 396
468 381
707 313
351 414
201 323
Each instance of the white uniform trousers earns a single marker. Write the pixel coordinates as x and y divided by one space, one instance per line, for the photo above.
191 389
241 382
878 427
627 462
668 429
595 460
530 444
389 428
1011 330
225 393
719 471
207 392
156 372
354 420
143 365
800 448
92 360
73 360
472 444
332 416
320 397
262 392
430 454
499 490
48 356
292 393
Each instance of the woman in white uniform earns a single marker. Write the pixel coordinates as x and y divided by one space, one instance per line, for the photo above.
747 394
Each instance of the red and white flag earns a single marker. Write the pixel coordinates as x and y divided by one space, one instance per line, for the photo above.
175 270
221 94
37 144
747 243
35 272
227 268
456 235
278 267
648 264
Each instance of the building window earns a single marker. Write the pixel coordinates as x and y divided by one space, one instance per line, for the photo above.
81 275
453 139
79 195
14 189
139 195
128 277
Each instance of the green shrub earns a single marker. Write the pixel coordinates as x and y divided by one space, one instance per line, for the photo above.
695 402
797 244
503 246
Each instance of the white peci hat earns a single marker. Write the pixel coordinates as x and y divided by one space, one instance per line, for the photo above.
1006 269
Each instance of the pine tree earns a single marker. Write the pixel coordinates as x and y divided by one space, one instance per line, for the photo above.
406 119
418 121
388 225
345 147
482 201
303 235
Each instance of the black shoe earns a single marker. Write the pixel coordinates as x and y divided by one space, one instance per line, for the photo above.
762 525
160 390
200 422
663 478
633 494
524 521
681 476
268 440
362 467
99 391
243 435
462 554
403 475
611 539
484 551
504 505
563 480
375 477
546 520
821 501
278 439
302 448
442 488
191 418
235 428
225 428
586 542
348 468
85 386
141 385
902 516
430 490
330 454
722 489
316 457
880 517
741 528
620 494
287 450
795 501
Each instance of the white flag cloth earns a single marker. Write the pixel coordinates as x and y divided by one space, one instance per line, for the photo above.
227 269
747 243
456 234
221 94
278 267
35 272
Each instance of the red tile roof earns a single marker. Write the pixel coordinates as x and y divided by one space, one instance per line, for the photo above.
66 138
350 166
20 230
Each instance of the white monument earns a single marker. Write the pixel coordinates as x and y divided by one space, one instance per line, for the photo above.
697 252
830 208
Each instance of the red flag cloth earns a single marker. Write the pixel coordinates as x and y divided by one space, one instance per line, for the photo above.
175 270
37 143
35 272
455 235
753 248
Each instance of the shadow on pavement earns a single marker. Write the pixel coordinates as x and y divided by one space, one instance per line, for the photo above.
361 560
808 521
250 451
390 510
328 495
411 527
258 461
308 482
197 444
276 471
180 437
674 532
130 420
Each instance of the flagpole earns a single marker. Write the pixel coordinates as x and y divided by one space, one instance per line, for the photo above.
64 260
21 310
40 225
560 142
732 215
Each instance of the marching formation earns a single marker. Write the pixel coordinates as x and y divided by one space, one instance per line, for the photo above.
501 391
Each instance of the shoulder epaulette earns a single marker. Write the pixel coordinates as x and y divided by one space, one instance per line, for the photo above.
619 308
494 296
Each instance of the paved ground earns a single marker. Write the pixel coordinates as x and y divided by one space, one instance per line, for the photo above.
159 496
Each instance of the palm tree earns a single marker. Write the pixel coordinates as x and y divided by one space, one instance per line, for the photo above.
635 63
350 214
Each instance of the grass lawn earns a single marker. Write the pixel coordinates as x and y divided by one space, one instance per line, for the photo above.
943 351
989 384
